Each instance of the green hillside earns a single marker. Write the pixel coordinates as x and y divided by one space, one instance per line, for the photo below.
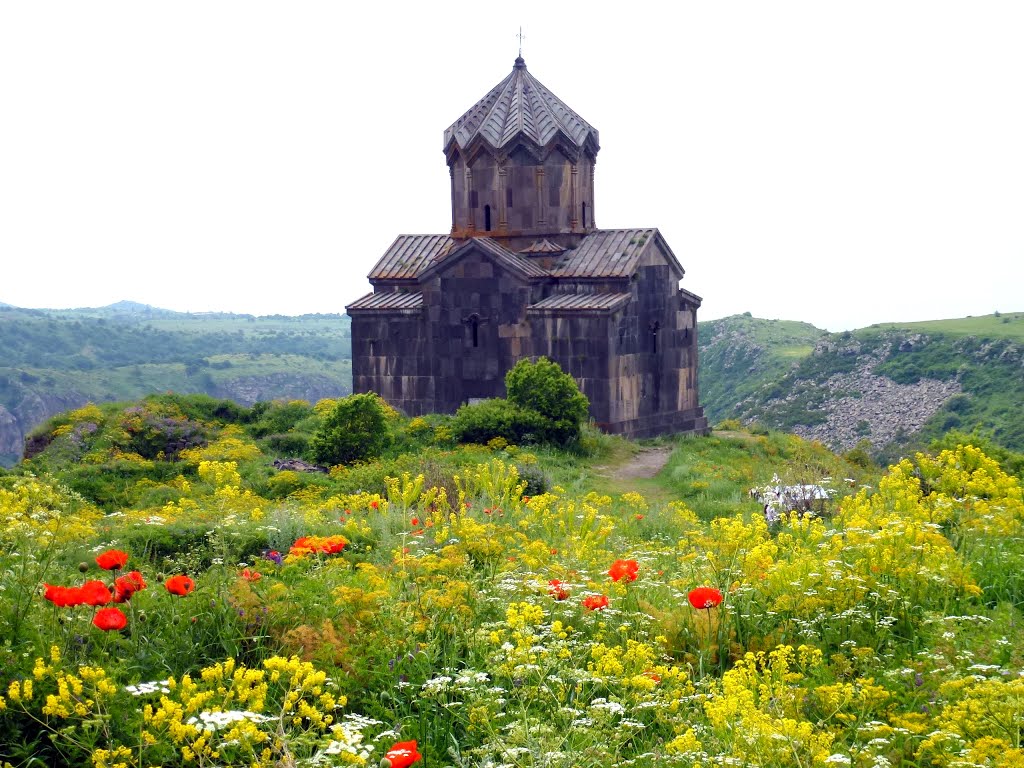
54 360
1009 325
740 354
895 386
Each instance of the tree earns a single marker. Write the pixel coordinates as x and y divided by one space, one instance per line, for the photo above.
543 387
355 429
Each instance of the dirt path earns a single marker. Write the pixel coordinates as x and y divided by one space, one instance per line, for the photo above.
647 462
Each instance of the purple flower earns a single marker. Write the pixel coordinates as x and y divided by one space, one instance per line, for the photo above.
274 556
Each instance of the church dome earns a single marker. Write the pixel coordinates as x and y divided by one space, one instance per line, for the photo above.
520 107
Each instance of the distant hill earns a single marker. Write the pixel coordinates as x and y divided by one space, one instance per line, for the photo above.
893 385
53 360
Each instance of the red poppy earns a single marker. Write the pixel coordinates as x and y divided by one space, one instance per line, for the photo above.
63 597
251 575
624 569
557 591
415 521
704 597
180 585
95 593
595 602
112 559
127 585
403 754
374 505
110 618
305 545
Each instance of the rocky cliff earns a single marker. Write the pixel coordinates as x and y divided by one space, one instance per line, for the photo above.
894 387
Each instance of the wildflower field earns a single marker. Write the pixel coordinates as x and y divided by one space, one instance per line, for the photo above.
448 608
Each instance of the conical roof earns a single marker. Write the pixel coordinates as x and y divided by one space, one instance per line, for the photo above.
520 106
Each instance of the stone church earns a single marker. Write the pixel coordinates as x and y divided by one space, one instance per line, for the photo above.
525 272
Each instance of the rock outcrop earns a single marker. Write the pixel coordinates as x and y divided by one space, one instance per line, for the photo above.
864 405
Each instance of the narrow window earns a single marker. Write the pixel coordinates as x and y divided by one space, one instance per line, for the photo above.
487 218
476 332
508 197
584 215
654 336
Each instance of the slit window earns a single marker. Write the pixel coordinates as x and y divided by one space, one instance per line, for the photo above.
487 218
584 215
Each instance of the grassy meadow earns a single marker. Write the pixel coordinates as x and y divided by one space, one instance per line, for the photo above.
182 603
999 325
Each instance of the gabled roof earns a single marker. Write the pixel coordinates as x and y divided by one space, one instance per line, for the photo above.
604 253
409 255
387 301
580 302
520 106
513 261
611 253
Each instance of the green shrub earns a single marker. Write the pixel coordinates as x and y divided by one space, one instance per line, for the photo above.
291 444
544 388
355 429
535 478
278 417
484 421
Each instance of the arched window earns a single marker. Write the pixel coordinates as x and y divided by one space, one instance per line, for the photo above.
487 218
472 324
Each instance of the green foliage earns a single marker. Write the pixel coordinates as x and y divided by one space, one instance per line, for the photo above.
544 388
355 429
860 455
291 444
278 417
535 477
484 421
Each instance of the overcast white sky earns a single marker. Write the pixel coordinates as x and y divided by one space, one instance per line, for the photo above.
841 163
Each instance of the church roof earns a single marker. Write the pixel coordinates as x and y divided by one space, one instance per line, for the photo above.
502 255
610 253
412 255
520 106
409 255
581 302
604 253
388 301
